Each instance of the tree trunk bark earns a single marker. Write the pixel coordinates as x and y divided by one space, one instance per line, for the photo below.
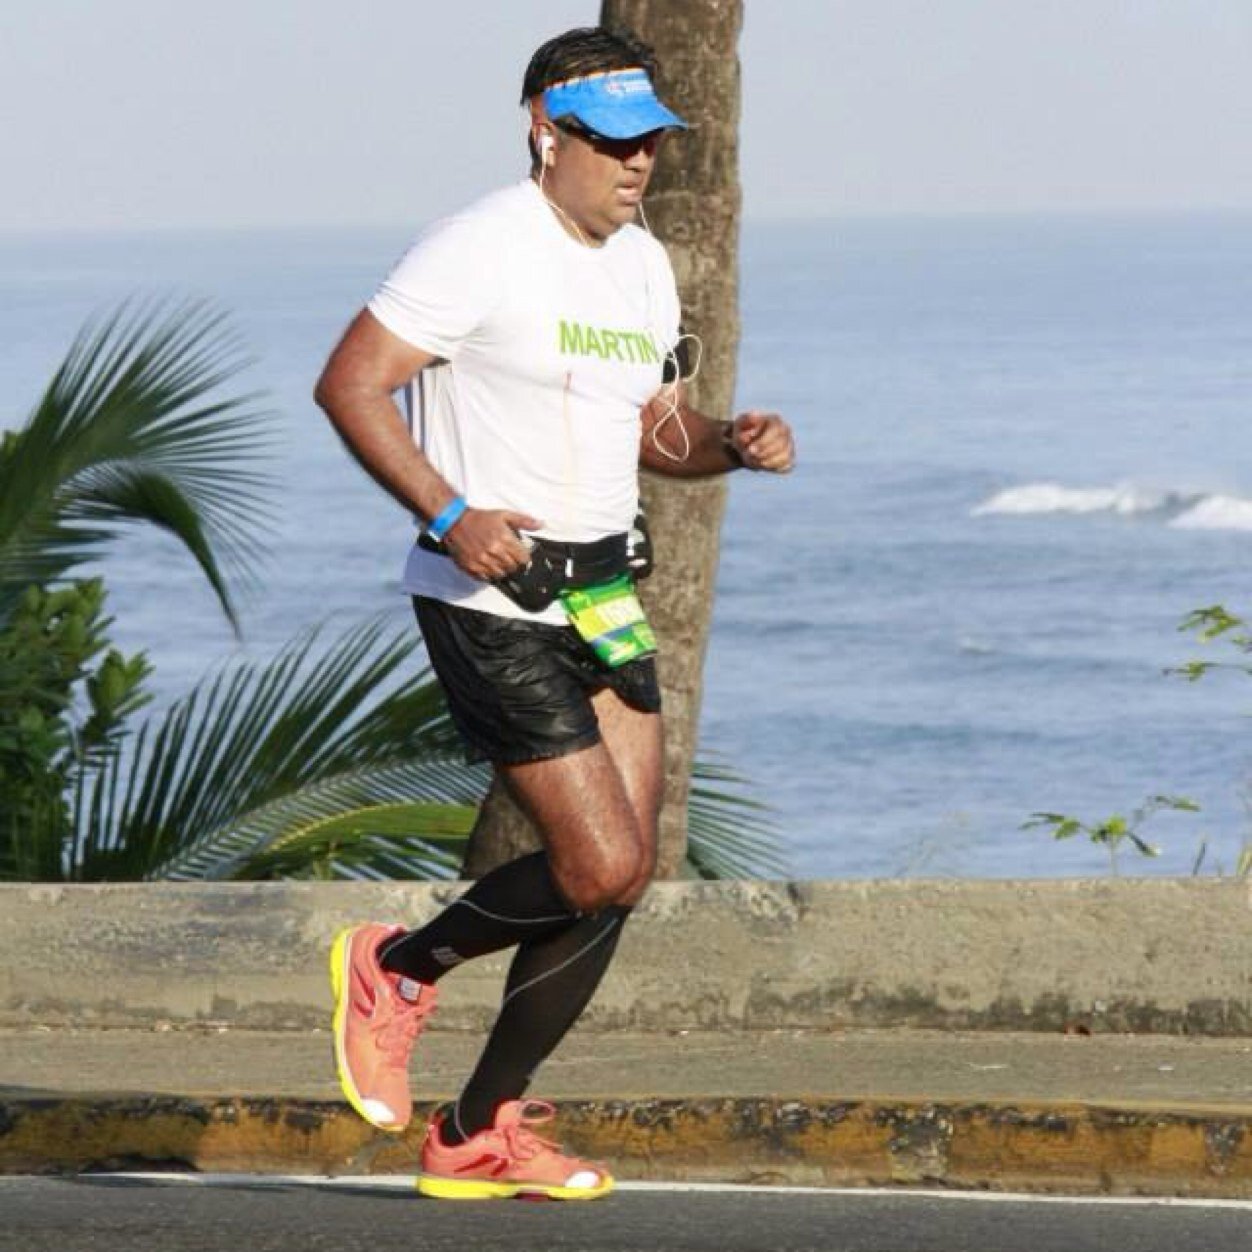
693 207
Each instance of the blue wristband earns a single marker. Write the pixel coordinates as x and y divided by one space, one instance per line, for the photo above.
444 521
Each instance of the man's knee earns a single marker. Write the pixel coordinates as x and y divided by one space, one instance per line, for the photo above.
643 868
633 892
612 874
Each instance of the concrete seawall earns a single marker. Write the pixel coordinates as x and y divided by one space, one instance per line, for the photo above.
1163 956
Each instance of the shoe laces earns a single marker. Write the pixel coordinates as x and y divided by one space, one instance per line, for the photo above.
395 1035
523 1143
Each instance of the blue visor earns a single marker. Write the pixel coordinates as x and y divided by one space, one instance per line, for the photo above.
619 104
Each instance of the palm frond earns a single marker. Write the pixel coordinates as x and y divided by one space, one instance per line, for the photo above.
319 812
380 841
128 431
259 754
729 834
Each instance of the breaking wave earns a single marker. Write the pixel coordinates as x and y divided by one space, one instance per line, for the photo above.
1181 509
1216 513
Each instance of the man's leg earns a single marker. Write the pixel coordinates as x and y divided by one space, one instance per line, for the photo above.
597 812
516 901
383 976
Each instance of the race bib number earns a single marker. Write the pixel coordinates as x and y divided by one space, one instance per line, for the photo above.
611 620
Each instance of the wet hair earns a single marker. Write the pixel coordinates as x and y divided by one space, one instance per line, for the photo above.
585 50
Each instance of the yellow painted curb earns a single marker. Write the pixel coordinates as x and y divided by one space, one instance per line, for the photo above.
1074 1148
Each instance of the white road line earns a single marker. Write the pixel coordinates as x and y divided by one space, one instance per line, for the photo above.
405 1182
972 1197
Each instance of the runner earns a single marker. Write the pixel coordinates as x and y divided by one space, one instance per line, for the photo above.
536 335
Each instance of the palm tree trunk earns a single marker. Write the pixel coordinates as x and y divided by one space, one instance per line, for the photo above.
693 206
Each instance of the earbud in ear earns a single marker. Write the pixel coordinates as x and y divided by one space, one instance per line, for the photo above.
546 145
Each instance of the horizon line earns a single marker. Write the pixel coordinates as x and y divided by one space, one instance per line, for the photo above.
16 230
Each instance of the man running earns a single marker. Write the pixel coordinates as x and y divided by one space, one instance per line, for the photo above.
536 333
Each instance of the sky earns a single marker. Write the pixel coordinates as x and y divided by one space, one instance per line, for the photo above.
138 114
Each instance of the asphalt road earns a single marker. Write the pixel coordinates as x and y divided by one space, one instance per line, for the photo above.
112 1213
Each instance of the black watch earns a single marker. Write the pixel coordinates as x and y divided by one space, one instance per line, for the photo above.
728 446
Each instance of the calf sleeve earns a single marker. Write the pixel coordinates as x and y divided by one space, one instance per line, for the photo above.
550 983
513 903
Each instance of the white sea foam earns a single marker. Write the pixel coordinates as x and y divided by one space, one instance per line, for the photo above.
974 646
1184 510
1125 499
1216 513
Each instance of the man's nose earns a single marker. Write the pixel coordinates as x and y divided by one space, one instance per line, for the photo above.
643 156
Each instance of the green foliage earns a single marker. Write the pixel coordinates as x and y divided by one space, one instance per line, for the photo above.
1216 623
1209 624
1213 622
1112 832
63 706
1242 866
130 430
729 834
410 840
326 761
259 769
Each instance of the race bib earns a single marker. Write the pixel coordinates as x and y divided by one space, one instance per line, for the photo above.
610 619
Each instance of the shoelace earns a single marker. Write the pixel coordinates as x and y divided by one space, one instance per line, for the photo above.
523 1143
395 1036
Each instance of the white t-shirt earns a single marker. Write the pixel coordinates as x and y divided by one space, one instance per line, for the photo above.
550 349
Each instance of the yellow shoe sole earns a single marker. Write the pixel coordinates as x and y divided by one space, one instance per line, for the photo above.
338 981
479 1189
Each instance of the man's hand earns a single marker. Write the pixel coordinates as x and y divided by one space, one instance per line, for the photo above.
485 542
764 441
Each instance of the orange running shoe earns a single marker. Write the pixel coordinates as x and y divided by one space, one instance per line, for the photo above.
506 1160
378 1016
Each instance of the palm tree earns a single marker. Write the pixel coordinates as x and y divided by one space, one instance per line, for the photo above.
130 430
326 760
693 206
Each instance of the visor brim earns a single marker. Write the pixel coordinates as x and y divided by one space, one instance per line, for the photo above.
619 104
626 121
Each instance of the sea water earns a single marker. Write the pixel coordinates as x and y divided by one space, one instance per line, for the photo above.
1025 456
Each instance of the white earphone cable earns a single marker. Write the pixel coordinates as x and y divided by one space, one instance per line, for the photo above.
672 390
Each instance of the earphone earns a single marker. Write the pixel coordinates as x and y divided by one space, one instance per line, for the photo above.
547 148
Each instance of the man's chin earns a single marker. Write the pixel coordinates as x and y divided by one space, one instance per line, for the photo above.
623 215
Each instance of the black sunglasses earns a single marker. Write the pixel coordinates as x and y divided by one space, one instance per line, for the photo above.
602 143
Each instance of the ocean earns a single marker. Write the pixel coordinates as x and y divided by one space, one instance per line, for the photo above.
1025 456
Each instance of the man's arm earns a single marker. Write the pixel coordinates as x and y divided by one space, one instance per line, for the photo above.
683 443
356 392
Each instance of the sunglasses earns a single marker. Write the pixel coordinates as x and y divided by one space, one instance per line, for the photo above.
617 148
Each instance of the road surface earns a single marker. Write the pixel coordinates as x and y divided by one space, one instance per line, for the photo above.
133 1213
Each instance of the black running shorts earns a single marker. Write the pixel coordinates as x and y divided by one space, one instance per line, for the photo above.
521 690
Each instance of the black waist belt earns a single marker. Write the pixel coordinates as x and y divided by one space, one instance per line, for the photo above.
585 563
555 566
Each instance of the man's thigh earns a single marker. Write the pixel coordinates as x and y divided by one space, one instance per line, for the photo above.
634 740
580 806
579 747
596 809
